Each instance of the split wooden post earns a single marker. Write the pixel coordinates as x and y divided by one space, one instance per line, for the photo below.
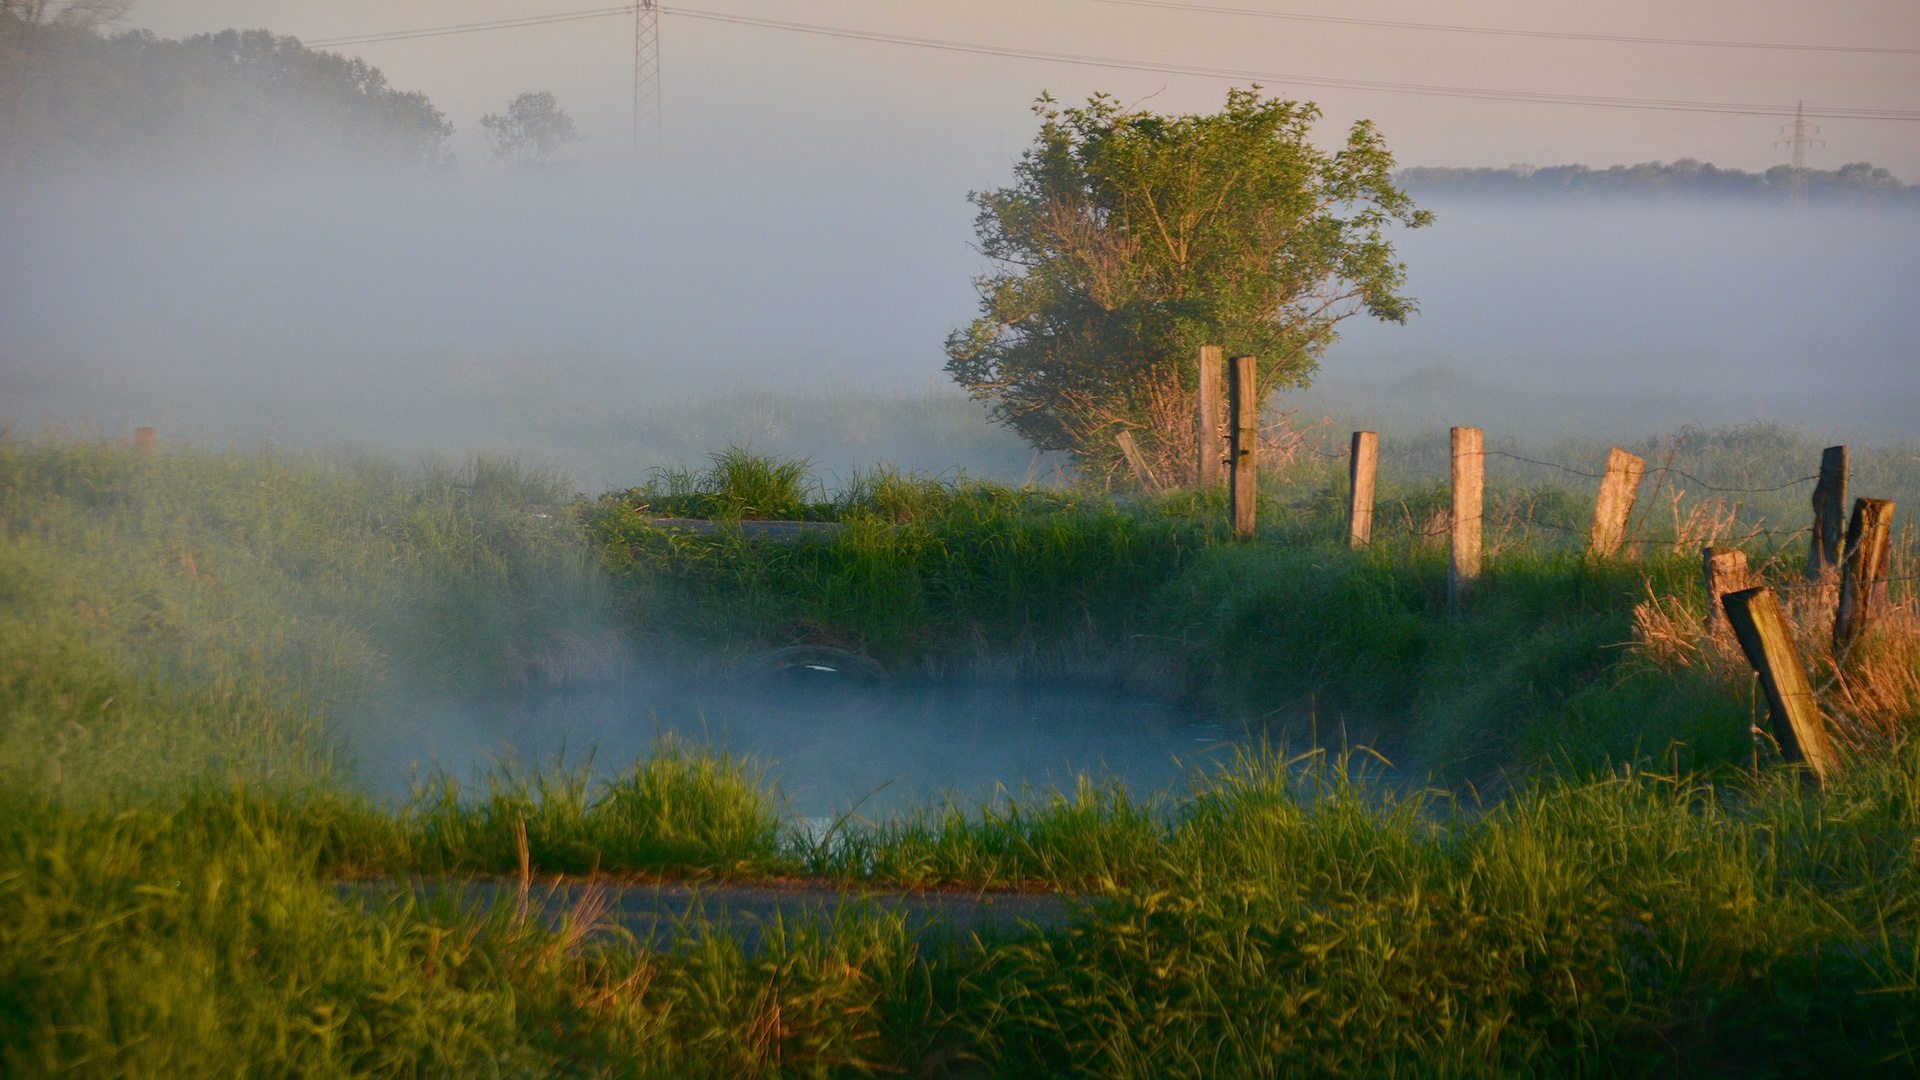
1469 481
146 440
1829 502
1610 511
1768 642
1131 451
1361 461
1208 417
1863 581
1243 404
1726 571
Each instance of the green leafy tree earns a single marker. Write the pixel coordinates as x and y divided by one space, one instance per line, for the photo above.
73 100
1130 239
534 129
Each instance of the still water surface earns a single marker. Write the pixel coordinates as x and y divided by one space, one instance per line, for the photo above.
829 745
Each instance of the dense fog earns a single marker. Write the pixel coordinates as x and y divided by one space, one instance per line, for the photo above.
577 316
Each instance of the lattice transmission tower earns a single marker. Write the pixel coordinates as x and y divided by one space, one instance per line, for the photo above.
1800 137
646 71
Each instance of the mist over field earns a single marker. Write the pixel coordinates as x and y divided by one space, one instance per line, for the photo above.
583 318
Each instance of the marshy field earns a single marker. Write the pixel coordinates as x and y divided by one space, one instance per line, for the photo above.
1327 827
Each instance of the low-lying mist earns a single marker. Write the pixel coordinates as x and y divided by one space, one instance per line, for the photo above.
592 322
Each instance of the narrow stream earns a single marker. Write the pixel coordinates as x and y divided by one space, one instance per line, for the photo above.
828 743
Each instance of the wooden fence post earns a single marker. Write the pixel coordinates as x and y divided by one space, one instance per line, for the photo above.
1610 511
1361 461
146 440
1243 403
1864 579
1768 642
1131 451
1207 420
1726 571
1469 481
1829 501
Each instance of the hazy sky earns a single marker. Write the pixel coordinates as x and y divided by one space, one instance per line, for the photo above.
814 95
807 226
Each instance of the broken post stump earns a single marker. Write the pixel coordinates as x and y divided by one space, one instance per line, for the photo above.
1863 581
1829 500
1361 461
1208 419
1726 571
1611 509
1768 642
1469 482
1243 405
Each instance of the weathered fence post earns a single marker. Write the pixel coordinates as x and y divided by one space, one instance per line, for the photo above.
1829 501
1207 419
1243 403
1361 461
1131 451
146 440
1610 511
1864 579
1469 480
1768 642
1726 571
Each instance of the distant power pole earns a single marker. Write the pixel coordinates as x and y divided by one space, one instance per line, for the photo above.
646 70
1800 136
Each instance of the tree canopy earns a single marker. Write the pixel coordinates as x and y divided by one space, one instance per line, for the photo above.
73 100
1130 239
534 128
1683 178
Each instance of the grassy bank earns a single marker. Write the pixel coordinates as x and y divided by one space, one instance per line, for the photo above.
1264 924
188 640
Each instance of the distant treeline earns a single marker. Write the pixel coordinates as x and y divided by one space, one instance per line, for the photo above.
74 100
1686 177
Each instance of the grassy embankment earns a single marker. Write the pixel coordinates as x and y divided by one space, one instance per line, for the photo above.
185 636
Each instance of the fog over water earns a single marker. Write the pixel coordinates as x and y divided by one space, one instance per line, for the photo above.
829 746
569 316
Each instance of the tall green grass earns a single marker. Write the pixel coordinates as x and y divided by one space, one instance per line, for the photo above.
1276 919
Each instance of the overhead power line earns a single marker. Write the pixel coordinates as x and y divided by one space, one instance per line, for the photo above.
1450 28
1124 64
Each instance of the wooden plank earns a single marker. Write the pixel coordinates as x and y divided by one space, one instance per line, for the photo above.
1767 640
1469 483
1209 420
1829 501
1243 405
1610 510
1726 571
1130 450
1863 581
1361 461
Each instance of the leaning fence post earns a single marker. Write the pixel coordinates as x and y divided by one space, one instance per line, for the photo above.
1726 571
1469 480
1610 510
1243 403
1829 500
1360 465
1865 574
1768 642
146 440
1206 419
1130 450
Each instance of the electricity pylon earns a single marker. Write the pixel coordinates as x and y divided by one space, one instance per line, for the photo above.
646 70
1800 136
